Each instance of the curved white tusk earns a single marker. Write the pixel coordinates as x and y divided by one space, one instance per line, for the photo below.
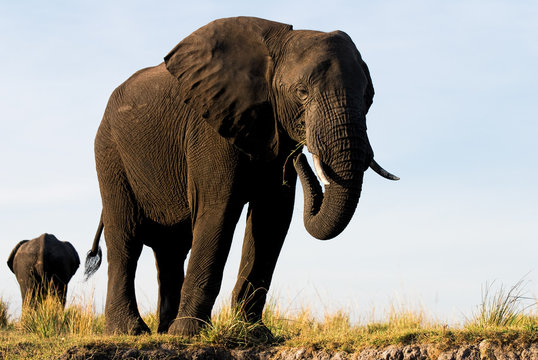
319 170
378 169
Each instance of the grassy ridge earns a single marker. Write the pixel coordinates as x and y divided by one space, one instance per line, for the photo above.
47 330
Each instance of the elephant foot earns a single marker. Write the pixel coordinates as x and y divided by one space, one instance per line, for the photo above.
261 335
186 327
128 327
164 325
163 328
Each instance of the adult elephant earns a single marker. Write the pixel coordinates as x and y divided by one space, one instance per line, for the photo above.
43 266
184 145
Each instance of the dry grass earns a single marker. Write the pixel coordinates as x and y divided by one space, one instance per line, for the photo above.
502 308
49 318
229 329
47 330
4 317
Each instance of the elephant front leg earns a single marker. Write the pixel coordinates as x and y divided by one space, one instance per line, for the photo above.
268 221
212 237
121 310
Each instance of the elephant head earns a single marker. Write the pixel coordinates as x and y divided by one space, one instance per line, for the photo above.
261 84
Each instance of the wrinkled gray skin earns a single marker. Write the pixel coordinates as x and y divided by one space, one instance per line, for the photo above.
184 145
43 266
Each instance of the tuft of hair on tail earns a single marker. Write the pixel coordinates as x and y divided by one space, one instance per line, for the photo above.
95 255
93 262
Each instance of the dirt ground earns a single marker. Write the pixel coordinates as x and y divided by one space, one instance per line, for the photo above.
481 351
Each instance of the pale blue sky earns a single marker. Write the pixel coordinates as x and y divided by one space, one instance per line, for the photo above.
454 116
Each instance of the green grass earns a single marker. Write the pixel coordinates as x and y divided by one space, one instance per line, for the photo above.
229 329
503 308
504 317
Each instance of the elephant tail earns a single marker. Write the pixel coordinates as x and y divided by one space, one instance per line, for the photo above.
94 256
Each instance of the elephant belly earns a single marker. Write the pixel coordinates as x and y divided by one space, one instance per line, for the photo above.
159 190
155 171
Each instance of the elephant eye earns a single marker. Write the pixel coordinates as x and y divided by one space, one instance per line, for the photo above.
302 93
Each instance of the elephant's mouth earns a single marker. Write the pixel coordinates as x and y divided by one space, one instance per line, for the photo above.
318 167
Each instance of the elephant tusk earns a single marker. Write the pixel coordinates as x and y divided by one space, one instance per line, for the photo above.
378 169
319 170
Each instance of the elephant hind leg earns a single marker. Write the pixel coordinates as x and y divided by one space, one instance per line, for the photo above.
58 288
123 236
31 289
121 310
170 249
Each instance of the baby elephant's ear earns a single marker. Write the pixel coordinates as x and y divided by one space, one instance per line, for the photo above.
73 255
11 257
224 70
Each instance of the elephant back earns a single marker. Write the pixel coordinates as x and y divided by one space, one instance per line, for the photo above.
54 258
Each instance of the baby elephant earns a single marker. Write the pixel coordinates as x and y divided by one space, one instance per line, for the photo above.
43 266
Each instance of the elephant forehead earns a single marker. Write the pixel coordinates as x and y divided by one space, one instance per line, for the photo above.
321 56
306 44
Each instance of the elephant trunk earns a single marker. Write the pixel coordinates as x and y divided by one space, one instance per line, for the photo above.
341 155
326 214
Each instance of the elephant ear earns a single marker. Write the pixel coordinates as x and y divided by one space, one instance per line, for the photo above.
224 70
74 260
369 92
11 257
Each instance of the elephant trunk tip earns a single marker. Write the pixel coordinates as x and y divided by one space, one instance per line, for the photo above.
93 262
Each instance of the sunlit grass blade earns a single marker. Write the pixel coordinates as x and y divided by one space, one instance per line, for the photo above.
502 308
